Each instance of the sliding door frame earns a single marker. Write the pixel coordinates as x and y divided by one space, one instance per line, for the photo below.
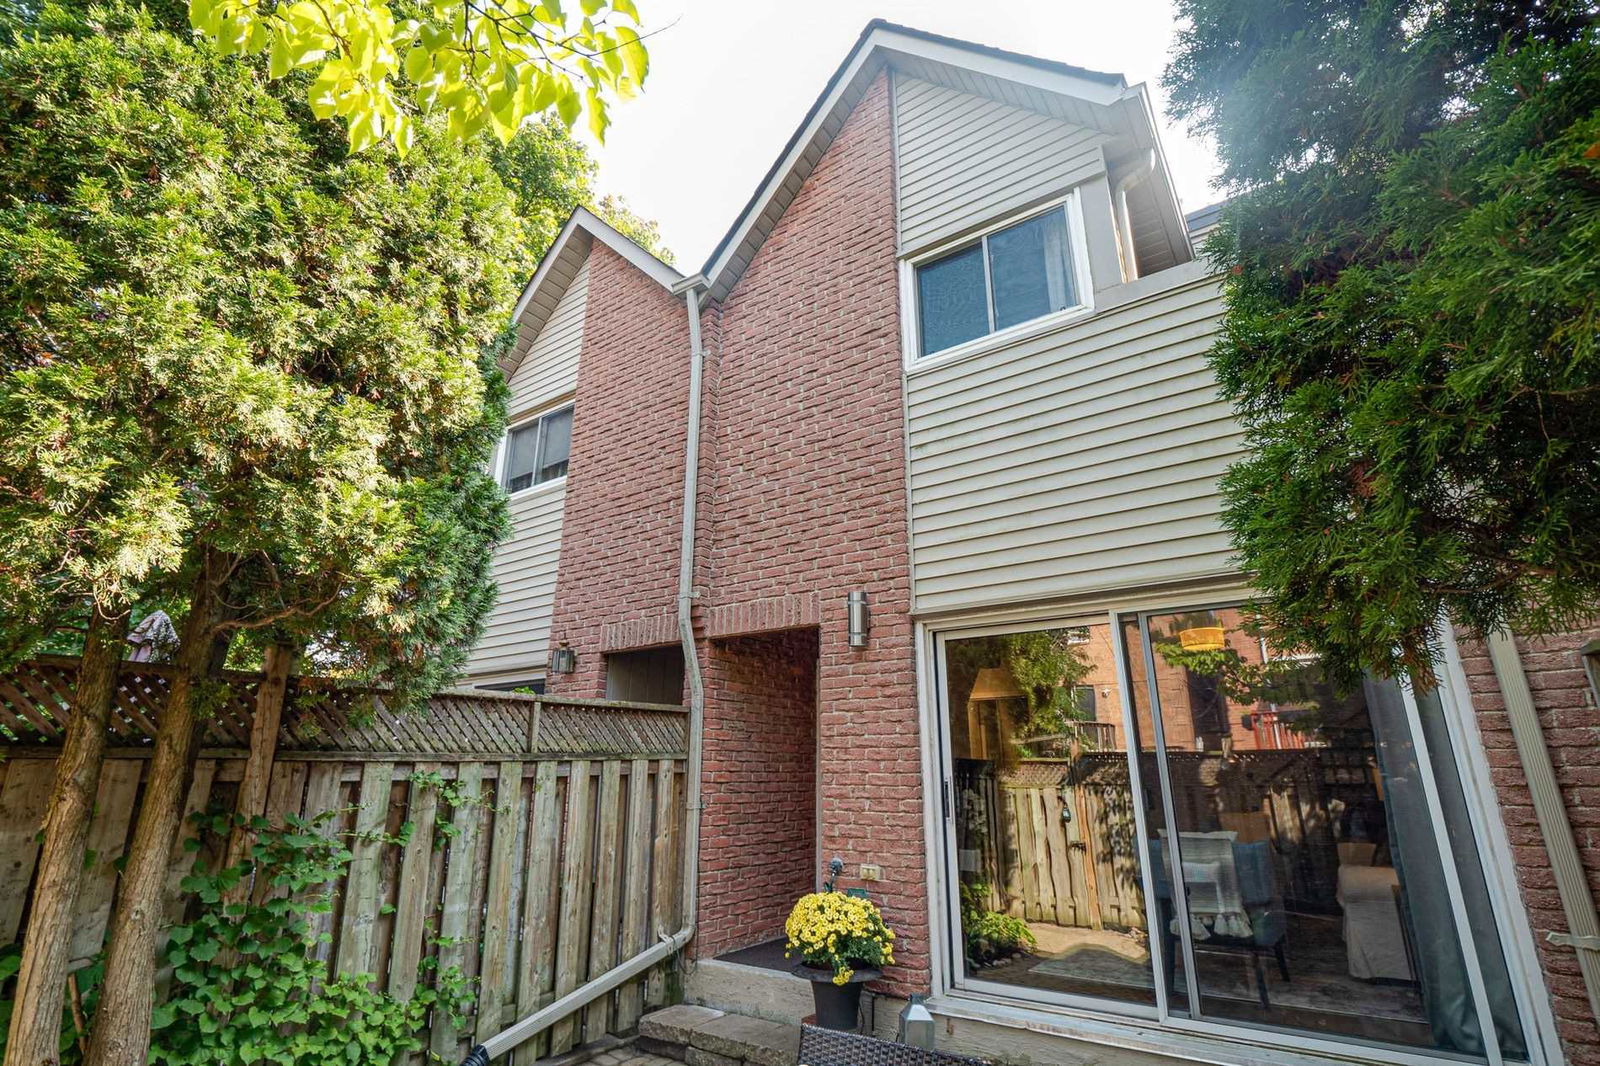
955 980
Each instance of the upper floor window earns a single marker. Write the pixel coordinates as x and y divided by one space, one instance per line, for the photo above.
537 451
1012 275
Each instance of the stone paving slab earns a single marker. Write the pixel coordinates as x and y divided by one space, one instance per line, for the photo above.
677 1024
751 1040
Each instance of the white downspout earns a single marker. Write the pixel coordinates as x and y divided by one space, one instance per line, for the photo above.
668 946
692 288
1140 172
1577 902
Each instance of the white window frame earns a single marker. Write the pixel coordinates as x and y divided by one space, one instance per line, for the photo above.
503 451
1159 1030
1083 287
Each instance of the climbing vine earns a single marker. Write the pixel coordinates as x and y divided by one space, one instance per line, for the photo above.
247 985
451 797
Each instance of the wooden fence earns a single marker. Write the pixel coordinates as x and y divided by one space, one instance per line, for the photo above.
567 863
1055 840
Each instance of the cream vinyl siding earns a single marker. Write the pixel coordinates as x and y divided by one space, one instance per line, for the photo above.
517 637
967 160
1075 461
550 369
518 633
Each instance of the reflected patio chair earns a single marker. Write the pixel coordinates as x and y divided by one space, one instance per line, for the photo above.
1233 901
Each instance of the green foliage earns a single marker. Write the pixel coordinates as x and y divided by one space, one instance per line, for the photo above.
225 336
1046 665
550 174
990 935
247 987
83 985
481 66
451 797
1412 311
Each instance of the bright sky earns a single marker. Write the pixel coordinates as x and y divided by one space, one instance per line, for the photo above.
731 79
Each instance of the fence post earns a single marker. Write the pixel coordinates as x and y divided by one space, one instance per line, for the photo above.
252 801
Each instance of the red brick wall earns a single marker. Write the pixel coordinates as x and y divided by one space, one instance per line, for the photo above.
803 499
1572 731
758 837
808 496
624 505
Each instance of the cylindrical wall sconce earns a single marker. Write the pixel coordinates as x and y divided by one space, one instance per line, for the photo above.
563 660
860 619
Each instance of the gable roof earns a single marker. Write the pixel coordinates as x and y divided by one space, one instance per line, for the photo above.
560 265
1090 98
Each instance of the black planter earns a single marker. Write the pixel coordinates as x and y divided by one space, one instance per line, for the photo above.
838 1006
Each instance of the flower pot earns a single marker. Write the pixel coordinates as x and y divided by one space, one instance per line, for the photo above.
838 1006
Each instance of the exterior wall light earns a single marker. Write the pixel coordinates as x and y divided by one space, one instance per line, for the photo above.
860 619
563 660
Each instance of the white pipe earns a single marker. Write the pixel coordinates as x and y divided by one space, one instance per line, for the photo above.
1577 902
615 977
691 288
1141 172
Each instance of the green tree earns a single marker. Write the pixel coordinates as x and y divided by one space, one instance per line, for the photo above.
1410 338
551 174
253 376
482 65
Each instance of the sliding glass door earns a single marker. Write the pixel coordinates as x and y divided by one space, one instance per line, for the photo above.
1161 811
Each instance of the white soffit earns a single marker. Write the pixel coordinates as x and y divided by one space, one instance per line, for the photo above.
560 265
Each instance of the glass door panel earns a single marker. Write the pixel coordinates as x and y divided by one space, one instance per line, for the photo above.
1169 948
1045 836
1313 893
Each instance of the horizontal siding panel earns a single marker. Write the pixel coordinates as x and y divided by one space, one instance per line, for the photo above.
951 538
1077 538
1197 560
1211 431
966 159
1157 404
517 635
1020 506
1105 339
549 370
1073 462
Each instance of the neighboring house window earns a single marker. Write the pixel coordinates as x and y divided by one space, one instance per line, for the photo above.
535 686
1005 278
537 451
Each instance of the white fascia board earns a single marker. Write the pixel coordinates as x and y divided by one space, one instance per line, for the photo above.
716 269
625 246
1171 209
586 222
983 61
598 228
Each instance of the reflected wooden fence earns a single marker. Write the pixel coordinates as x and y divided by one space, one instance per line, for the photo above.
559 858
1055 838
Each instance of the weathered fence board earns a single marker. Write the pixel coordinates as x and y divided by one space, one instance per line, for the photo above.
556 860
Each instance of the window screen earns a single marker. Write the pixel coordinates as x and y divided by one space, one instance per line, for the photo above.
1008 277
538 451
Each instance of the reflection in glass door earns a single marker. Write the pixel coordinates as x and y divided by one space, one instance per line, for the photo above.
1307 847
1044 825
1165 815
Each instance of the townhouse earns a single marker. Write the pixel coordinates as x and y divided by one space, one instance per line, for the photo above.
911 493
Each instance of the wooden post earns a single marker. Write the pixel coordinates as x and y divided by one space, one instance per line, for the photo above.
252 802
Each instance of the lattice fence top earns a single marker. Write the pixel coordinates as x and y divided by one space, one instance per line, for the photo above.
323 716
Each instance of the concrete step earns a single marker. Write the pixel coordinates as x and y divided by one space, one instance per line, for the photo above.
776 995
705 1036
